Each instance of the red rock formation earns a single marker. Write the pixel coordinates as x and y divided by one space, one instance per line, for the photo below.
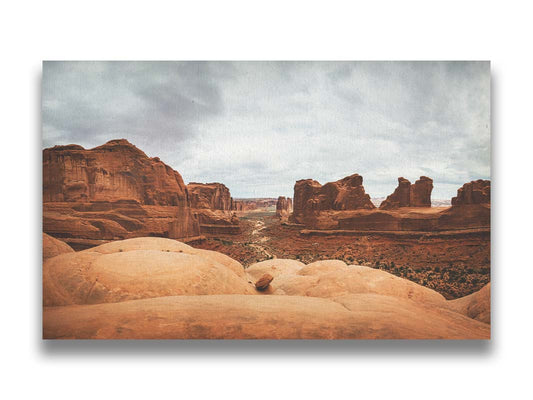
470 208
475 192
114 171
113 191
345 194
213 196
322 208
212 204
283 206
410 195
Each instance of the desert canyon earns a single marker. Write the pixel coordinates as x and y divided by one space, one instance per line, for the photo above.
131 251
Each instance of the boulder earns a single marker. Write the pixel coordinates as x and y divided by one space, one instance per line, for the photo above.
264 282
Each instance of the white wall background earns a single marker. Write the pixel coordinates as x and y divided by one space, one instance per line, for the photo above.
33 31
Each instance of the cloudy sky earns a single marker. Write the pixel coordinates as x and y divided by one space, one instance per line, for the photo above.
260 126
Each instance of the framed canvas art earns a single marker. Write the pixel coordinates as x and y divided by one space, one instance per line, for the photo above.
266 200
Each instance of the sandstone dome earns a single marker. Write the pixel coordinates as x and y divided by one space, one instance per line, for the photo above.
475 305
53 247
236 316
167 245
90 277
274 267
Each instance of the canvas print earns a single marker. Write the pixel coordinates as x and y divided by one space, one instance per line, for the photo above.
266 200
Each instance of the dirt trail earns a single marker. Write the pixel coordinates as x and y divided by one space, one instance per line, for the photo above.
258 238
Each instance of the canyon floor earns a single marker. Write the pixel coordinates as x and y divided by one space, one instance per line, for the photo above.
455 264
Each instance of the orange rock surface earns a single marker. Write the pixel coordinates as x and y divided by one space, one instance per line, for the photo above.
163 289
53 247
113 191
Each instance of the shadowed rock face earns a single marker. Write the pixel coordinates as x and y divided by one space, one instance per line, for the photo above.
475 192
345 194
410 195
113 191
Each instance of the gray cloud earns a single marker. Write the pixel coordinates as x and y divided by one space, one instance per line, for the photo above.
260 126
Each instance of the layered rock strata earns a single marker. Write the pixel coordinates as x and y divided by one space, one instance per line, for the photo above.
325 207
113 191
311 198
212 204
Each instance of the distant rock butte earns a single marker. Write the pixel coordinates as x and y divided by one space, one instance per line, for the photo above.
212 204
475 192
242 205
345 194
283 207
344 206
410 195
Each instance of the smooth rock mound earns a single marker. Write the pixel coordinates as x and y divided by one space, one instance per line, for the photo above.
274 267
103 276
168 245
259 317
53 247
475 305
333 278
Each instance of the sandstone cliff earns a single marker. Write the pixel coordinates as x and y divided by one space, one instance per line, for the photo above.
410 195
110 192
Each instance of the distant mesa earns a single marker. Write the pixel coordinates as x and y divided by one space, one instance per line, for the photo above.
410 195
345 194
